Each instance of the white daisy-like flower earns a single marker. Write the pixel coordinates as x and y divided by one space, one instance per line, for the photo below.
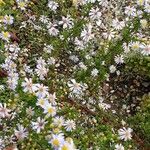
53 5
57 140
58 121
86 33
66 146
42 102
42 91
95 14
118 25
119 59
119 147
94 72
5 36
135 45
67 22
130 11
22 4
145 49
74 86
143 23
39 124
52 30
4 111
69 125
28 86
44 19
112 69
8 19
51 98
49 110
125 134
20 132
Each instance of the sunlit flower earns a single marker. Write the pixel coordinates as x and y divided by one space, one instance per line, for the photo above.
57 140
5 36
21 132
119 59
8 19
49 110
67 22
125 134
52 5
28 86
69 125
4 112
38 125
119 147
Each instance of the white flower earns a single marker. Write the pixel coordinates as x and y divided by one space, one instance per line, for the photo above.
41 71
125 134
145 49
130 11
42 102
95 14
8 19
28 86
69 125
51 61
21 132
67 22
74 86
48 49
112 69
147 7
58 121
86 33
5 36
22 4
49 110
42 91
52 5
51 98
57 140
109 35
94 72
30 111
135 45
119 147
143 23
4 112
43 19
38 125
52 30
140 2
119 59
81 65
118 25
66 146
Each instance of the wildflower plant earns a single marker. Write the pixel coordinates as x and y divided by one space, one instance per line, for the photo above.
57 61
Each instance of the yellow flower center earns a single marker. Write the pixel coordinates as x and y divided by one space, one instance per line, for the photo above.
65 147
55 142
41 102
50 110
135 46
6 34
21 4
141 2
